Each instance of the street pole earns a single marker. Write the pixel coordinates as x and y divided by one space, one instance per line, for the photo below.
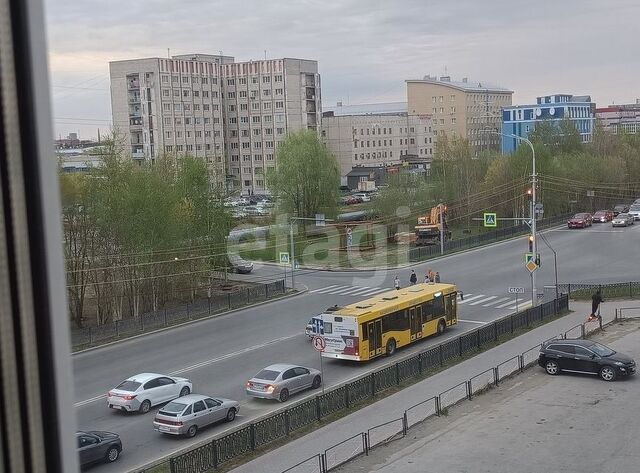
534 295
292 256
441 232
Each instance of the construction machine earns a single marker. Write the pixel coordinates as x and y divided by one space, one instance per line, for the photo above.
430 227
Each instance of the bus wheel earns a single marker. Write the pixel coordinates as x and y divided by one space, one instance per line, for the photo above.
441 327
391 347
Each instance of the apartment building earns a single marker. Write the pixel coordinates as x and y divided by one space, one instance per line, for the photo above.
460 108
520 120
232 115
376 135
620 118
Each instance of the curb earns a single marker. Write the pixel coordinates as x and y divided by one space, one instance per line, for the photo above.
191 322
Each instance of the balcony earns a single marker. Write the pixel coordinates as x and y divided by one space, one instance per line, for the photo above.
135 98
137 152
311 107
135 122
133 84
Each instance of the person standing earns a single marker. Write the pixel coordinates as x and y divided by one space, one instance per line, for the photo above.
596 300
426 278
413 279
396 283
431 276
437 277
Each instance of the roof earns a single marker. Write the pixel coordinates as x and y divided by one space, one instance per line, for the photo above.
385 108
392 298
279 367
465 84
571 341
144 377
364 171
192 398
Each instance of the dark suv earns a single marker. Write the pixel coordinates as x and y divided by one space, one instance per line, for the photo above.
584 356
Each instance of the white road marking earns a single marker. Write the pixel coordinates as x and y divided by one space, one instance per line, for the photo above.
373 291
520 306
348 290
498 301
472 321
502 306
487 299
467 299
203 363
323 289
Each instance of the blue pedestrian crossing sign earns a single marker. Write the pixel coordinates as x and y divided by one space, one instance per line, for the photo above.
284 257
490 220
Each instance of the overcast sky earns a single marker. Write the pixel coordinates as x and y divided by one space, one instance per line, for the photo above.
365 48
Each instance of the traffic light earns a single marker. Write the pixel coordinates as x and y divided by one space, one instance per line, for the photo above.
530 243
530 193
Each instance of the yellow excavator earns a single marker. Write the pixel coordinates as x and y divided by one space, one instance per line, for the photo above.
429 227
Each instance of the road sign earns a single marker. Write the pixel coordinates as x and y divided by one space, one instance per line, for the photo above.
531 266
528 257
320 221
516 290
319 343
490 219
284 257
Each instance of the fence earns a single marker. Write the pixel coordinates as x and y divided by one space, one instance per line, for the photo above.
174 315
612 290
280 425
427 252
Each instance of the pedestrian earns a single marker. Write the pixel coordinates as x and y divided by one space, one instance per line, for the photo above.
461 295
426 278
396 283
413 278
437 277
596 300
431 276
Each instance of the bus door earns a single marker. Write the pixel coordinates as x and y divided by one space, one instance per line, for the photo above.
450 308
415 324
375 337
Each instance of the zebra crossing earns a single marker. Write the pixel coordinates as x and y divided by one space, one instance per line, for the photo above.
472 300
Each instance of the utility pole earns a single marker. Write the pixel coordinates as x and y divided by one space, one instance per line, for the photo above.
292 257
441 230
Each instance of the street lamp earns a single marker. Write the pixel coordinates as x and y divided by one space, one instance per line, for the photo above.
532 210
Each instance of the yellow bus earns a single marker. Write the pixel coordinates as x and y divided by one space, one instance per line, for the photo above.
380 324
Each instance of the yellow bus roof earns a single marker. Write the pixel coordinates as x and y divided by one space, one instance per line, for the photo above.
393 299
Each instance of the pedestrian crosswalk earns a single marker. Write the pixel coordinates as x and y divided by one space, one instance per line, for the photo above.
338 290
496 302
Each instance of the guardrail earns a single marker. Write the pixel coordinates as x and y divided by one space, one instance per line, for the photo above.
281 424
627 313
90 336
451 246
612 290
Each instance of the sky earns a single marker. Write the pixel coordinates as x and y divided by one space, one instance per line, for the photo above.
365 49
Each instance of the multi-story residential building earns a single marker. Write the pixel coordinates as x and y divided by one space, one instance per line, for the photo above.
233 115
620 118
520 120
460 109
376 135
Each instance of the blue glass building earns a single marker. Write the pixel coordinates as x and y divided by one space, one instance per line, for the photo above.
520 120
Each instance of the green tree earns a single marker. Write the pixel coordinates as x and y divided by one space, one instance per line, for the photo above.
307 177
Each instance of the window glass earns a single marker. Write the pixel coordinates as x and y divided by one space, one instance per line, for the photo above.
198 407
211 403
396 321
188 411
301 371
128 385
269 375
165 381
154 383
289 374
582 351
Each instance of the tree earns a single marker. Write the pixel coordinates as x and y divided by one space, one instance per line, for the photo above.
307 177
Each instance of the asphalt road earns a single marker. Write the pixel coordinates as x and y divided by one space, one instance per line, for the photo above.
220 354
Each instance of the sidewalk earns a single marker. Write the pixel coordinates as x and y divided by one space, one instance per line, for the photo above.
394 406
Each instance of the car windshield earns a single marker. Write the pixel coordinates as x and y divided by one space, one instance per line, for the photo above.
580 216
175 407
267 374
623 215
128 385
601 349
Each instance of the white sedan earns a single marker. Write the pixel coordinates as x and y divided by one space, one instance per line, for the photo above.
142 391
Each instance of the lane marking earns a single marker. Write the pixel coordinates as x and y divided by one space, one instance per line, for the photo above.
203 363
498 301
324 288
484 300
522 306
502 306
348 290
468 299
472 321
373 291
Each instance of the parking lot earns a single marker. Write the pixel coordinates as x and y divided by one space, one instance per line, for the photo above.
531 423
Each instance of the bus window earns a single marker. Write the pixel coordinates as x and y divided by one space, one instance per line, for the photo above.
395 321
427 312
438 307
365 333
327 327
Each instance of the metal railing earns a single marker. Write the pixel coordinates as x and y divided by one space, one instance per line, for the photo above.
91 336
611 290
283 423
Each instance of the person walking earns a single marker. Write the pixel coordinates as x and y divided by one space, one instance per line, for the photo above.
596 300
396 283
431 276
437 277
413 279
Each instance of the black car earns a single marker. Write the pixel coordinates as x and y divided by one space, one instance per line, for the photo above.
585 356
620 209
97 446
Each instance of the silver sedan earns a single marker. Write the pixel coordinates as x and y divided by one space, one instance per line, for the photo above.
281 380
188 414
622 220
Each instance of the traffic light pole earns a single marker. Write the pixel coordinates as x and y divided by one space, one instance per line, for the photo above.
532 214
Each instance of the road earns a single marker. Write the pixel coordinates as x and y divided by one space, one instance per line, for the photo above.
220 354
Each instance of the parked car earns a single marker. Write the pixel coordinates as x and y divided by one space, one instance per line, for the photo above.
620 209
581 220
98 446
635 211
585 356
186 415
363 196
622 220
240 265
142 391
279 381
603 216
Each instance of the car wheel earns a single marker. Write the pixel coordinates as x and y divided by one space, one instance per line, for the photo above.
184 391
145 406
441 327
551 367
112 454
316 382
607 373
391 347
231 414
284 395
192 431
